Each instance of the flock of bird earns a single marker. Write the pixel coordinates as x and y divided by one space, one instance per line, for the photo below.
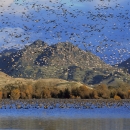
63 104
102 29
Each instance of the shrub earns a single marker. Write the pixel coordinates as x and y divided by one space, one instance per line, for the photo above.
116 97
122 94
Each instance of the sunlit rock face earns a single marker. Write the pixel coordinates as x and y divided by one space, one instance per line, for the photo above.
62 60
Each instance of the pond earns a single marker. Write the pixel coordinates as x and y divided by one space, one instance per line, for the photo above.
65 114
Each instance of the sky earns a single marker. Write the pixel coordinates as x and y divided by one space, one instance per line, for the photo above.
99 26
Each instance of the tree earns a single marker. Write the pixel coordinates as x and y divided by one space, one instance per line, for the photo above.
5 94
29 91
66 93
128 93
75 92
102 91
26 91
54 93
84 92
122 94
93 94
113 92
38 93
60 94
23 95
46 93
15 94
1 94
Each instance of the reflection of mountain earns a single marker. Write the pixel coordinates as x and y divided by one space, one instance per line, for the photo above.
62 60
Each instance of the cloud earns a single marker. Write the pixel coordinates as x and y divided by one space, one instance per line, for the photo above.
8 36
12 37
6 3
25 6
44 1
106 3
12 7
87 4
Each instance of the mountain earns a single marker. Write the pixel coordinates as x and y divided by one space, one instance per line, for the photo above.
62 60
9 50
125 65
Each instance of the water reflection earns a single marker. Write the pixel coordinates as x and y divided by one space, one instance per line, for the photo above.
65 124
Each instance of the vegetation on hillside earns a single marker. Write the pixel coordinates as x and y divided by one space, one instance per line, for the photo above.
41 90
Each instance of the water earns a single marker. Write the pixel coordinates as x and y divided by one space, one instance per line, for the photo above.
65 124
73 116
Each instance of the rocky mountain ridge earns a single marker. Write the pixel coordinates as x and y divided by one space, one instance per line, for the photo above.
62 60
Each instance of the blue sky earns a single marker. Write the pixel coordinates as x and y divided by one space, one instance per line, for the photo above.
100 26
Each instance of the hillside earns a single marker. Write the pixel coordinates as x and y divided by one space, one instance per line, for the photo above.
62 61
49 83
125 65
6 79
